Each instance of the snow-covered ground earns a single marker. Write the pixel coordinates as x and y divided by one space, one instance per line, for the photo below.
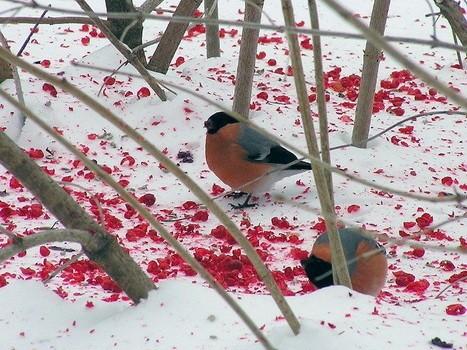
425 156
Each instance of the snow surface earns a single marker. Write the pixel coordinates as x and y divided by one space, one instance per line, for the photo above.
178 314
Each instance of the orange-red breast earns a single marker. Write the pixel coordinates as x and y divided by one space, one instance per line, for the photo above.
238 154
366 261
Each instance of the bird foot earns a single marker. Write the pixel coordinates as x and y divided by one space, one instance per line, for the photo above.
236 194
243 205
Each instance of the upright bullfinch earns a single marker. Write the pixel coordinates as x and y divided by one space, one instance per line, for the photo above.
238 154
366 261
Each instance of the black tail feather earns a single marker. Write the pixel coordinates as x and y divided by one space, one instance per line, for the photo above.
300 166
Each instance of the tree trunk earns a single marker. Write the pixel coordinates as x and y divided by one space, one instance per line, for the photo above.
173 35
212 30
371 60
127 30
451 10
107 253
247 59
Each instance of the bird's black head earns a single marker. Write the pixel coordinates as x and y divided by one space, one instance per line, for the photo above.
319 272
217 121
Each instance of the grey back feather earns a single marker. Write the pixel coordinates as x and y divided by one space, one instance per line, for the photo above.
257 146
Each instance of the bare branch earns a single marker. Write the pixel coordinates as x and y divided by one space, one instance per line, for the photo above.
134 61
149 5
181 19
320 96
304 155
339 267
46 20
31 33
402 122
250 251
85 238
147 215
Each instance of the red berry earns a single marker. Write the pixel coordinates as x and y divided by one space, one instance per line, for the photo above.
272 62
85 41
148 199
455 309
44 251
108 80
143 92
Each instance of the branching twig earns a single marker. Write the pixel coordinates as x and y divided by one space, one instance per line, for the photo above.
402 122
134 61
31 33
94 198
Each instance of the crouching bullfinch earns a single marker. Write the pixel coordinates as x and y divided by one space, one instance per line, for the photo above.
238 154
366 261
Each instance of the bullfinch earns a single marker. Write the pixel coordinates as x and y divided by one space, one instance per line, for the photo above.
366 261
238 154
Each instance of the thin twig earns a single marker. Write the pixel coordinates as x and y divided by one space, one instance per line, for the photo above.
449 286
262 131
46 20
85 238
144 213
62 267
182 19
31 33
432 15
402 122
111 75
14 238
320 95
94 198
458 53
134 61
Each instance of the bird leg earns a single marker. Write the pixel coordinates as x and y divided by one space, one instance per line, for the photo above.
236 194
245 204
